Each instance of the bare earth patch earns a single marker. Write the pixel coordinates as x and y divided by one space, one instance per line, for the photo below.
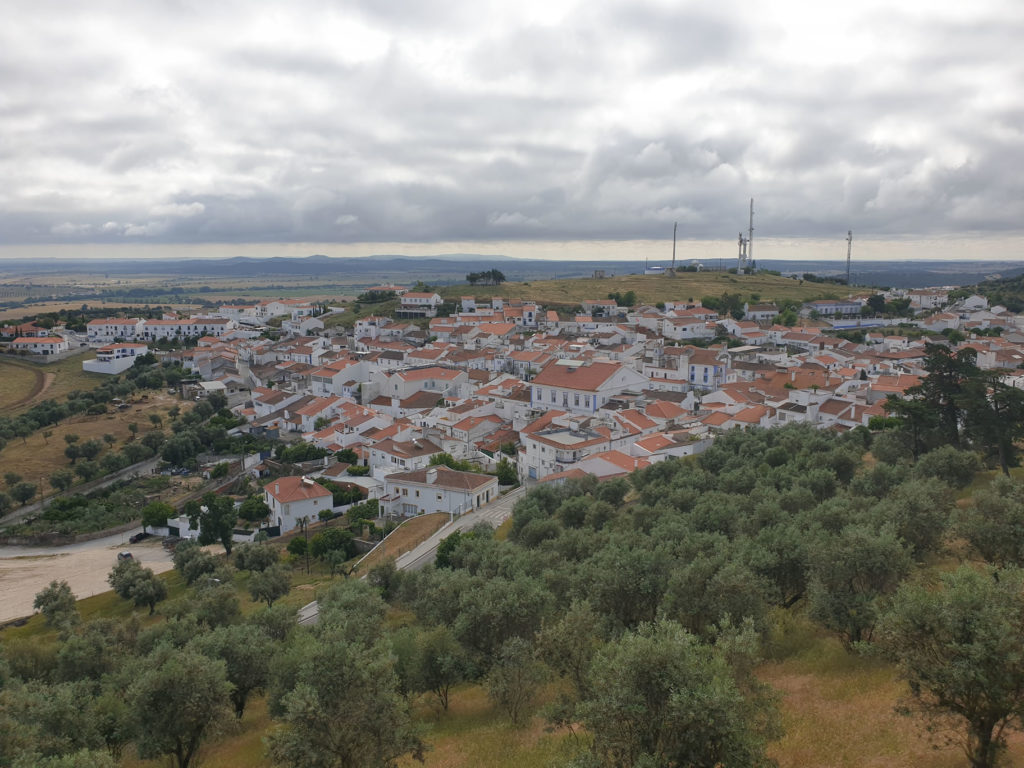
24 572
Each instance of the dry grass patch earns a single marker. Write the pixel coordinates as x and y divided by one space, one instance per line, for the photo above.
18 382
650 289
839 710
39 308
472 733
402 539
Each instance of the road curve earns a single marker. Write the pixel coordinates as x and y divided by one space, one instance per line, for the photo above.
495 513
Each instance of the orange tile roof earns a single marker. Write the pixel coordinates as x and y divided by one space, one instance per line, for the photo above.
582 377
290 489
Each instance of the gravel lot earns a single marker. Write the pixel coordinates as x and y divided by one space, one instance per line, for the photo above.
24 571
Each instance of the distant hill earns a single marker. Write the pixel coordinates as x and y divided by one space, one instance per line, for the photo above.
902 274
447 269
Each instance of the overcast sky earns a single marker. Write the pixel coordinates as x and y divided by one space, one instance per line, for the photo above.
422 122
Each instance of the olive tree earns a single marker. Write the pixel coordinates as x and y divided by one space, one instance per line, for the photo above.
57 604
959 649
178 700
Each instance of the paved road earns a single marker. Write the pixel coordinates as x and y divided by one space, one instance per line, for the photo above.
495 513
142 468
120 539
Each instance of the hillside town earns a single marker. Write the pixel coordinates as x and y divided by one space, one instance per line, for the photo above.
602 392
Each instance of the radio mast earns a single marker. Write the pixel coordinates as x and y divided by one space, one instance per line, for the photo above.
674 225
849 250
750 235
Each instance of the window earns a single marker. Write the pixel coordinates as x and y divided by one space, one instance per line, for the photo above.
440 497
554 396
405 491
417 494
576 398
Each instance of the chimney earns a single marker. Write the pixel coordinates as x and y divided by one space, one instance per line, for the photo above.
431 476
277 487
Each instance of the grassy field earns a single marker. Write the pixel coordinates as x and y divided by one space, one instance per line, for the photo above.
18 381
19 378
651 289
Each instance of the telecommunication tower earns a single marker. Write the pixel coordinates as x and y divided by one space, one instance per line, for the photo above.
750 234
746 255
849 251
674 226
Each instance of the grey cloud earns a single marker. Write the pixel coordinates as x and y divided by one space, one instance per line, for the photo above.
529 133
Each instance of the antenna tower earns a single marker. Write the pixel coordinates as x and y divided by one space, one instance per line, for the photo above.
741 262
674 226
849 250
750 235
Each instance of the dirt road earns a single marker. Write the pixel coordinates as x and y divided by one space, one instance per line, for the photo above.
24 571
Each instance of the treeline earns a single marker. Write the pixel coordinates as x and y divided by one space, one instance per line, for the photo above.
486 277
961 405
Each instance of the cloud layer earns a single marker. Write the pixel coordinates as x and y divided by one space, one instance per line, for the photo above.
195 122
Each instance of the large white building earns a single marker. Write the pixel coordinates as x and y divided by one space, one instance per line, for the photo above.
189 328
110 329
437 489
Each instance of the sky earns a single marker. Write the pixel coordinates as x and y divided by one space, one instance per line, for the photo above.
526 128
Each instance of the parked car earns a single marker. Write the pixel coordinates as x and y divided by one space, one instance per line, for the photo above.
125 556
136 538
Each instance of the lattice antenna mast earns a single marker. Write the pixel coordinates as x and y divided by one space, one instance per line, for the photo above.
674 226
750 234
849 251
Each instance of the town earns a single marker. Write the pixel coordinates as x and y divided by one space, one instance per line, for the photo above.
545 395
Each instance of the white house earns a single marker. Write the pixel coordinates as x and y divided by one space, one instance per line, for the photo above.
115 358
582 387
437 489
293 498
397 455
35 345
414 304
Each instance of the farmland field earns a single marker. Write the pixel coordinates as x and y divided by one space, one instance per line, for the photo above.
18 382
22 383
